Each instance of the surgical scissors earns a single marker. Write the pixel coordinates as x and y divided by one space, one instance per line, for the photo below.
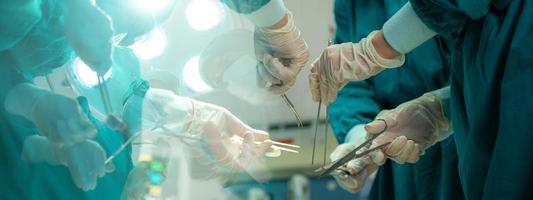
329 168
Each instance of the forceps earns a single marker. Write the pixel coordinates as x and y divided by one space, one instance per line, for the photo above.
292 108
112 121
289 104
333 167
104 94
316 126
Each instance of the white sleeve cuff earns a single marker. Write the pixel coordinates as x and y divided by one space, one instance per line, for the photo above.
405 31
269 14
356 135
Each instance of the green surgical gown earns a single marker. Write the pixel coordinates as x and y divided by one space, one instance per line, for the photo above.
492 91
434 176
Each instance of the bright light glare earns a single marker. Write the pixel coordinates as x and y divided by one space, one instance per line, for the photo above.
151 46
86 75
203 14
191 76
151 6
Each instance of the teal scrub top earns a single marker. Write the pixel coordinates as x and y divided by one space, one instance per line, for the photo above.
492 91
434 176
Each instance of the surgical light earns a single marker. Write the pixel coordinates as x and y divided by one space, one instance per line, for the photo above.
151 46
85 75
203 14
191 76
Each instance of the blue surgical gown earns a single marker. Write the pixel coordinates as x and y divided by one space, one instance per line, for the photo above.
434 176
492 91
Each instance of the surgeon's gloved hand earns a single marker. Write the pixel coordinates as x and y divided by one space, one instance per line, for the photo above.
231 142
412 127
344 62
281 52
60 119
356 171
89 31
85 160
56 116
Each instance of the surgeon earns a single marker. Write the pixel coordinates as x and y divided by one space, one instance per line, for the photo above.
490 88
434 176
45 42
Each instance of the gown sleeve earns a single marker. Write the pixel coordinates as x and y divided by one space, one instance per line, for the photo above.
261 12
356 104
448 17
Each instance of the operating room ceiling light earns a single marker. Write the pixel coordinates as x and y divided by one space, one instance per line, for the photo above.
191 76
151 46
203 14
86 76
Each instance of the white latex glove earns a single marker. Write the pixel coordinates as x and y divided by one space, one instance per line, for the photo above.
344 62
412 127
89 31
358 169
85 160
56 116
281 54
231 142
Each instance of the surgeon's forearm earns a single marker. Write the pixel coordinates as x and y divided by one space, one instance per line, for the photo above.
404 31
443 95
282 22
272 15
38 149
21 99
383 48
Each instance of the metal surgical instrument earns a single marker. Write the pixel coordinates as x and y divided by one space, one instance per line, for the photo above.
292 108
112 121
316 125
333 167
